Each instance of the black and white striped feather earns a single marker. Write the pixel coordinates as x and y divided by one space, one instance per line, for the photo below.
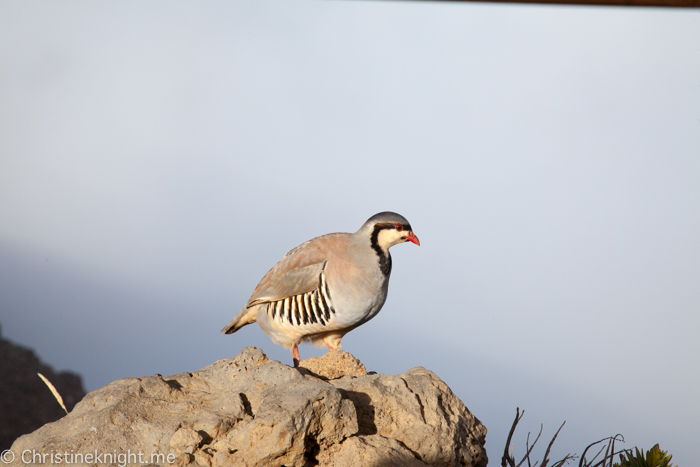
314 307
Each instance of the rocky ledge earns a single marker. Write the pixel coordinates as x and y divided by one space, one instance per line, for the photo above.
252 411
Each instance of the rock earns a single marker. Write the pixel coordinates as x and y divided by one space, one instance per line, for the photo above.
26 403
335 364
417 409
252 411
370 451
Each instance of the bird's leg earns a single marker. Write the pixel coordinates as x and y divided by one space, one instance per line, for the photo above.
333 341
295 356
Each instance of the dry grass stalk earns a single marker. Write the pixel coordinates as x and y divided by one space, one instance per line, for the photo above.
53 391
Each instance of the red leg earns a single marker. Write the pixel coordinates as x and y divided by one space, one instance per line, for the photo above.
295 356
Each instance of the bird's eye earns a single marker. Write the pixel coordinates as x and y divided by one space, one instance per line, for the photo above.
398 227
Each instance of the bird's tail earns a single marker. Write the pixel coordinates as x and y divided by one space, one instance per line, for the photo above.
244 317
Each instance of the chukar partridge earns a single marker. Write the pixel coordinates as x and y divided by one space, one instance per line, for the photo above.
326 287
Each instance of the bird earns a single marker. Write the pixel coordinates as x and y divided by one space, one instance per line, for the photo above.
327 286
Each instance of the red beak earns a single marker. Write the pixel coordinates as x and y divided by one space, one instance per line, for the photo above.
412 238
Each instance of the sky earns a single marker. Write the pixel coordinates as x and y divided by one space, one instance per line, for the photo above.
156 159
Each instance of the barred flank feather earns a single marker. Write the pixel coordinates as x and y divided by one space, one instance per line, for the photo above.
310 307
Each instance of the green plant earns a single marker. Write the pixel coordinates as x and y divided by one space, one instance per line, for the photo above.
655 457
603 453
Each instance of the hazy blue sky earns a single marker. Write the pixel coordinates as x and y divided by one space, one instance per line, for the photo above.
156 159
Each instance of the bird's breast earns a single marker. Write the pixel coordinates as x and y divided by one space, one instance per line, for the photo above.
357 293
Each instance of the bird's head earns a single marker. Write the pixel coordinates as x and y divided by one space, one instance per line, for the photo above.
386 229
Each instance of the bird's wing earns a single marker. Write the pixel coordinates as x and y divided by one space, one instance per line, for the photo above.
296 273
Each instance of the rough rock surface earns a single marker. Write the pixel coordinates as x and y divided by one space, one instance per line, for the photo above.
26 403
335 364
252 411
